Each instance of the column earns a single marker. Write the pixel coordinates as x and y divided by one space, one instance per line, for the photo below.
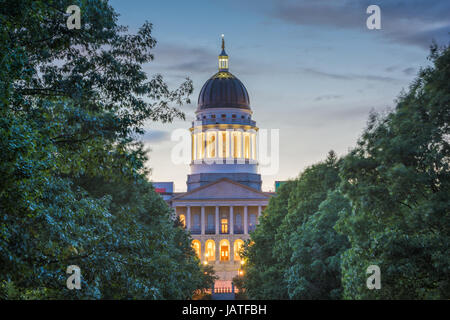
231 250
231 220
217 220
217 154
188 218
217 244
242 144
192 147
259 212
246 220
202 219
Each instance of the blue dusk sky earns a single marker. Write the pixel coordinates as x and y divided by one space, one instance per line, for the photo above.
312 68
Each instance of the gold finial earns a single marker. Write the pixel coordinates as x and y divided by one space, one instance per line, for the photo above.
223 41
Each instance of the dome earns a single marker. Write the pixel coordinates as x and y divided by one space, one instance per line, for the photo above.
223 90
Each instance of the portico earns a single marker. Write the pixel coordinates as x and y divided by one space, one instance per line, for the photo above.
220 217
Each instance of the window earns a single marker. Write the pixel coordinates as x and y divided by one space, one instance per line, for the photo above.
233 116
247 146
224 145
211 227
182 220
210 254
224 115
224 250
213 116
238 224
224 225
252 224
196 246
211 147
200 145
236 144
237 248
195 229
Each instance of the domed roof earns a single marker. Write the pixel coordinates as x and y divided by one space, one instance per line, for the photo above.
223 90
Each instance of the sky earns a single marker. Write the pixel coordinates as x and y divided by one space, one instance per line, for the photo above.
312 68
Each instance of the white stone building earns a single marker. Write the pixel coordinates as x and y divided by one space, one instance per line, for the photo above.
224 200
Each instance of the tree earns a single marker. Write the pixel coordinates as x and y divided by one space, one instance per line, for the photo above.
73 188
263 275
315 271
273 251
397 179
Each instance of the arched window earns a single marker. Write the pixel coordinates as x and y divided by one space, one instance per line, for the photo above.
196 245
224 250
210 254
237 247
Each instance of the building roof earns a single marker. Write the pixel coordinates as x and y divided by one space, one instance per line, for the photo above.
223 189
223 89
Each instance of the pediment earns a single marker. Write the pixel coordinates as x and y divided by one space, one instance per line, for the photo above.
223 189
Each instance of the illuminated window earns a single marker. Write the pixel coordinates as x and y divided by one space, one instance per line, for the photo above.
224 225
247 146
210 254
236 144
196 246
211 145
183 220
200 145
237 247
224 250
224 145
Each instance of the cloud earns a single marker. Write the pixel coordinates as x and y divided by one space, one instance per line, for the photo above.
327 97
409 71
155 136
349 76
178 57
413 22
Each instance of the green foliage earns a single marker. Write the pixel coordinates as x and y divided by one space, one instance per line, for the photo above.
262 272
275 265
386 203
73 187
398 181
315 271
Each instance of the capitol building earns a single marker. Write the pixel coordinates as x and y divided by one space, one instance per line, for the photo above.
224 200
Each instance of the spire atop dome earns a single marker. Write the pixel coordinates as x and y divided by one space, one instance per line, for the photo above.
223 57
